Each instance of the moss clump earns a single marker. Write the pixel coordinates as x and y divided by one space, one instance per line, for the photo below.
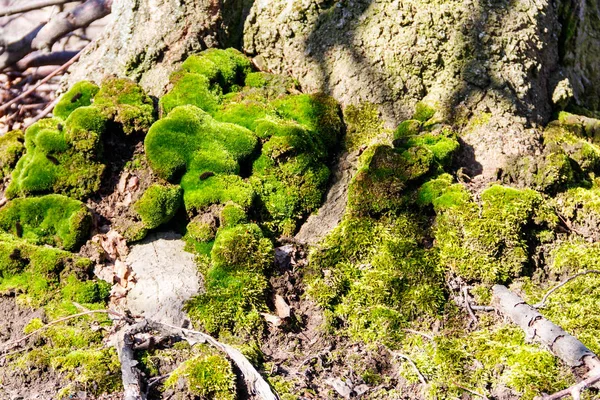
385 173
372 277
235 282
423 112
190 89
410 127
489 359
232 215
363 125
85 292
581 207
11 149
494 246
191 143
81 94
53 219
442 144
207 374
158 205
125 102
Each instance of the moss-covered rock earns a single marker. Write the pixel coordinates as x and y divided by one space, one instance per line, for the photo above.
11 148
81 94
242 247
158 205
53 219
363 124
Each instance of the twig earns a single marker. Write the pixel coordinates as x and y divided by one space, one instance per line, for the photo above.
42 113
542 303
575 390
153 381
30 6
483 308
418 333
64 67
470 391
468 306
14 343
566 223
412 363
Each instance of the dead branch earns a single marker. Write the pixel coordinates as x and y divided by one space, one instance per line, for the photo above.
68 21
474 319
30 6
470 391
64 67
542 303
42 59
537 327
15 51
131 375
42 113
575 390
414 366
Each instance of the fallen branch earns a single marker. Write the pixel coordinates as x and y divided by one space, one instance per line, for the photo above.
470 391
542 303
15 51
32 5
42 113
68 21
42 59
474 320
537 327
575 390
131 375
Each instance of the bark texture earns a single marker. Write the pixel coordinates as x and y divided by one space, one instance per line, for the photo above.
147 39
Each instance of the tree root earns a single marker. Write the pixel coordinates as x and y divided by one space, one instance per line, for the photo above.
536 327
132 381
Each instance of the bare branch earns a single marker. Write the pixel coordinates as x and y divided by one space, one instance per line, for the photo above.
43 59
42 113
68 21
470 391
575 390
542 303
63 68
30 6
15 51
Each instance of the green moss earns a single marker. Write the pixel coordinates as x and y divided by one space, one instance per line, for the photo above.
226 68
200 231
192 89
125 102
374 277
85 292
491 244
363 125
208 374
53 219
80 95
158 205
384 175
423 112
580 206
442 144
247 113
232 215
242 247
11 149
407 128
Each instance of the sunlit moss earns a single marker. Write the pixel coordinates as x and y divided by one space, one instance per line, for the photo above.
158 205
11 148
80 94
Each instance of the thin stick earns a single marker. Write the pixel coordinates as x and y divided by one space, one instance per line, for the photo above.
412 363
483 308
418 333
542 303
575 390
470 391
468 306
153 381
42 113
30 6
14 343
64 67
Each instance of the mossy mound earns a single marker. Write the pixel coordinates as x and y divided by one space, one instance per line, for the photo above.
64 156
53 219
373 277
490 244
158 205
363 124
11 148
81 94
125 102
235 282
205 154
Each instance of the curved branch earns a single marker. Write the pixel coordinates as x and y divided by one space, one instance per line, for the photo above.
542 303
15 51
30 6
68 21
